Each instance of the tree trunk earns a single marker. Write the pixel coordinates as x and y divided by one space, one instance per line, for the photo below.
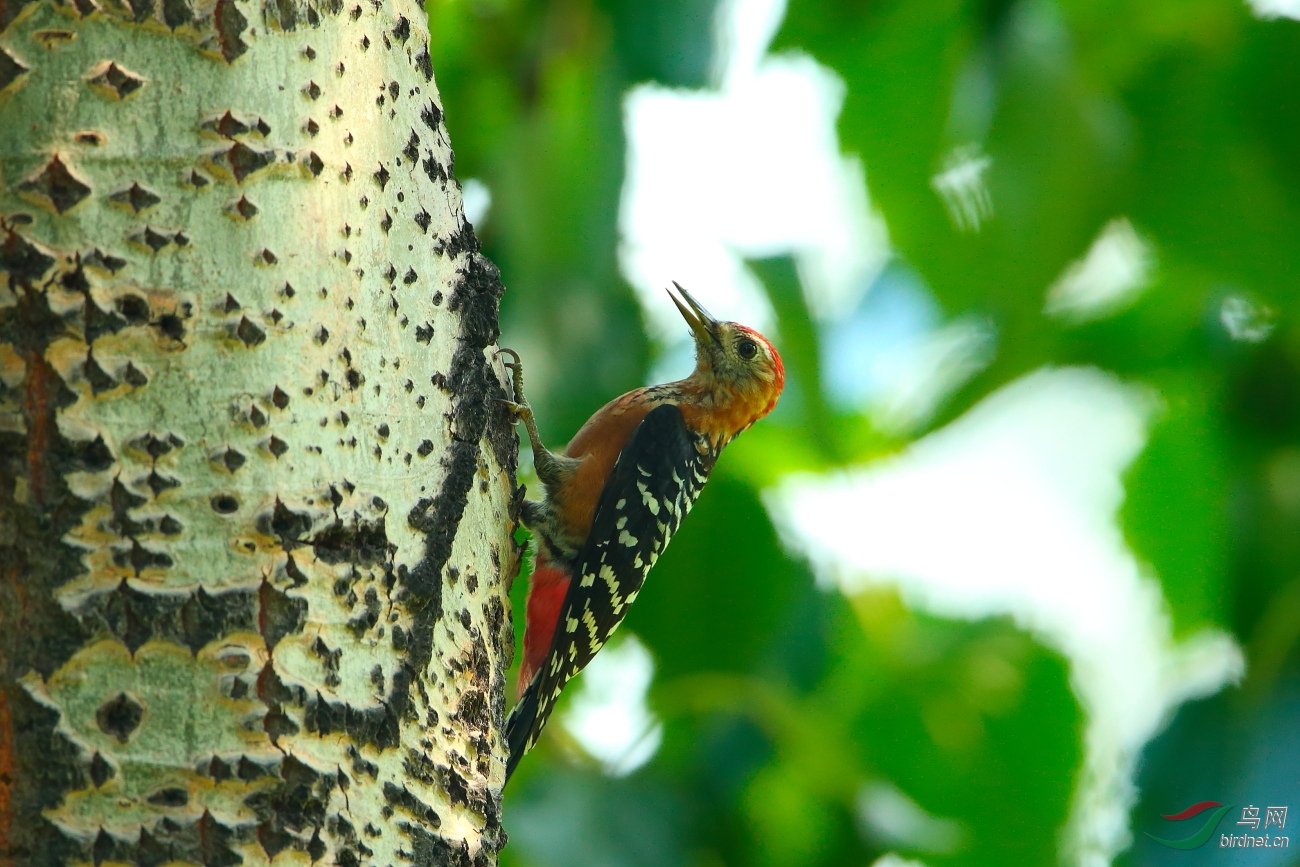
256 495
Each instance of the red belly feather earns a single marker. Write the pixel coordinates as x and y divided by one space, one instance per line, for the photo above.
546 590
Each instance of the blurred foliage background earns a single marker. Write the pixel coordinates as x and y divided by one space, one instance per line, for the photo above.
783 703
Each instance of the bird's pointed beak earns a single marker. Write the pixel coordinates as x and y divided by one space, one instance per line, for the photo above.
704 325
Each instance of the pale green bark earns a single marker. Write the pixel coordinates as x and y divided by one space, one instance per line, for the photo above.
256 492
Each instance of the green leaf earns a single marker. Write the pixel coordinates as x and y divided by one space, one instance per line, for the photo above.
1175 513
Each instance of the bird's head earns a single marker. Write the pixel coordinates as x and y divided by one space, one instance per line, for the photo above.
735 365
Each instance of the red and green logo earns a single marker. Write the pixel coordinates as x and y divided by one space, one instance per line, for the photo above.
1200 836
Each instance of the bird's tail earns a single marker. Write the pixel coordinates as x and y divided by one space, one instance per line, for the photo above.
521 724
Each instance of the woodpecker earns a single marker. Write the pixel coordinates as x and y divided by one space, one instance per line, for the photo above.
615 496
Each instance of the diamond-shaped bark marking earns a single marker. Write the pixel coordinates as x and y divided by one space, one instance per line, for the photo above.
243 209
226 126
152 445
216 843
10 69
248 332
150 850
282 14
431 115
113 81
21 260
231 127
133 376
132 616
100 770
243 160
313 164
122 500
176 13
171 326
249 770
97 258
152 239
74 279
96 376
98 321
106 847
230 24
55 186
156 446
312 90
216 769
232 459
382 176
140 558
277 446
159 483
136 197
119 716
139 11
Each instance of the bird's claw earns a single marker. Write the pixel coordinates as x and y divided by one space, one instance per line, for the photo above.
516 367
514 364
518 407
517 410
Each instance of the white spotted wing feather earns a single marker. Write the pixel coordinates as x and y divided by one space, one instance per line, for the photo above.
658 475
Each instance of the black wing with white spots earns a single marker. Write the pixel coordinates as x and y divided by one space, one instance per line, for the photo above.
655 481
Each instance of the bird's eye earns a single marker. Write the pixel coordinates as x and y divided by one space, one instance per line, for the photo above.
747 349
